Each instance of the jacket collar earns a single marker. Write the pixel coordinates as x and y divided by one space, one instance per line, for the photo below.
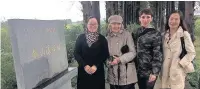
141 29
179 33
115 34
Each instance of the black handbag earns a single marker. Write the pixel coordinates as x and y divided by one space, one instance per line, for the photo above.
125 49
184 52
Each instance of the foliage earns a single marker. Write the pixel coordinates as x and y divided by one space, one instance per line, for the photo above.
132 27
197 27
104 28
8 79
194 78
71 33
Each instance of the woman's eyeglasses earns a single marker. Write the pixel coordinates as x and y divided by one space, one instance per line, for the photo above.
93 24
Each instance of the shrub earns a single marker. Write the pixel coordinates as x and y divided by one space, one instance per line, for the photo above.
194 78
8 79
72 31
132 27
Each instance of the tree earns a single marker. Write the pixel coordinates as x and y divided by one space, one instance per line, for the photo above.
187 8
87 7
170 7
129 10
90 8
96 12
181 7
159 17
113 8
189 17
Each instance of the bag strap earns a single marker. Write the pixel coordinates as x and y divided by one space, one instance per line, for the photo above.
182 41
183 44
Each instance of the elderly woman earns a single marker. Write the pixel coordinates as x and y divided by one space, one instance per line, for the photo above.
91 51
175 68
121 70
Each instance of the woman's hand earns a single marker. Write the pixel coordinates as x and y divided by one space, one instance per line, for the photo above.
87 69
152 78
93 69
115 61
90 70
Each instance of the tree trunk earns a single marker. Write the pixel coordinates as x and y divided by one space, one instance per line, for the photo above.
144 4
115 5
131 12
162 16
170 7
111 9
154 6
87 7
96 12
121 13
181 7
90 8
187 7
159 16
108 10
189 17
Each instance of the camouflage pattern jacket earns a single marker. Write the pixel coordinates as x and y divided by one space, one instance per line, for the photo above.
149 52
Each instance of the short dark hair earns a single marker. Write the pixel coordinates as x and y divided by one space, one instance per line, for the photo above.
147 11
182 22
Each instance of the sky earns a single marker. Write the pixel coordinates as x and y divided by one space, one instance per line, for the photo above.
44 10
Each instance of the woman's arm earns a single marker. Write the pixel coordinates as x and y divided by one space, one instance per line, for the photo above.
157 54
127 57
189 46
78 51
104 52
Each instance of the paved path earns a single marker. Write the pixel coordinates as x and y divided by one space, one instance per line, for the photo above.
136 87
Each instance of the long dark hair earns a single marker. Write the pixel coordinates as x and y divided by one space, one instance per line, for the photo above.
182 22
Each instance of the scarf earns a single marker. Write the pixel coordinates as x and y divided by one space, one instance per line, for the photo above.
91 37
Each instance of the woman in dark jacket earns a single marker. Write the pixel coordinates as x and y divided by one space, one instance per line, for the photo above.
91 51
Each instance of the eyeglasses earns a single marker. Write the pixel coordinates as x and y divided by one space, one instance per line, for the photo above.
93 24
116 23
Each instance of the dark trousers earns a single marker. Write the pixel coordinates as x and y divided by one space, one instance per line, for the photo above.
129 86
143 83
